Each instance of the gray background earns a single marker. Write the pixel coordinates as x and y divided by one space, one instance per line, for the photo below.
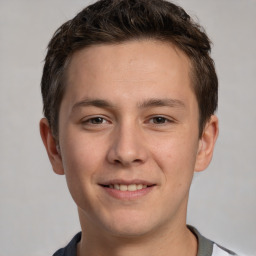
37 214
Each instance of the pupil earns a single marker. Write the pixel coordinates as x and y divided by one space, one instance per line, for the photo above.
159 120
97 120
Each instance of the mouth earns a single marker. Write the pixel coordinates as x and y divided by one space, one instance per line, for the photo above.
129 187
127 190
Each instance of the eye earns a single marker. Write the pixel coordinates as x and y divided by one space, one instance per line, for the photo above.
95 120
159 120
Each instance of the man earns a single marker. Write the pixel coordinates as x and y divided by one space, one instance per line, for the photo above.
129 92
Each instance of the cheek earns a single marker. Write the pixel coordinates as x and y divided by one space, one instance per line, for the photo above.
79 152
81 159
176 158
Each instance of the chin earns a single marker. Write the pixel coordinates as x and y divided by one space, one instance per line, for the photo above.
130 225
129 231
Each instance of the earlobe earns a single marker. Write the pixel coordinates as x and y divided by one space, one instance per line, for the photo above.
206 144
51 147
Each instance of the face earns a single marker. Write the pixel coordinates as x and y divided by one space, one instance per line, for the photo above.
128 137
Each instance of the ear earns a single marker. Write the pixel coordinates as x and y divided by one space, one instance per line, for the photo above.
206 144
51 147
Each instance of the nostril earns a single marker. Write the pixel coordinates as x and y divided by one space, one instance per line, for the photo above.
117 161
126 162
137 161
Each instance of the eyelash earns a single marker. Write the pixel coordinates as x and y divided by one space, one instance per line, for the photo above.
92 119
154 120
165 119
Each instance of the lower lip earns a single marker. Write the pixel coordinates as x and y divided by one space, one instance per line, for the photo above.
128 195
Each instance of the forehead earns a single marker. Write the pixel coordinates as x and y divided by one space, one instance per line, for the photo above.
129 69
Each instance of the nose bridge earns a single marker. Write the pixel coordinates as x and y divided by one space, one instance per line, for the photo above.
127 145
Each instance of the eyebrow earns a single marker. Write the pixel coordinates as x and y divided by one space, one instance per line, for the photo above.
92 102
154 102
162 103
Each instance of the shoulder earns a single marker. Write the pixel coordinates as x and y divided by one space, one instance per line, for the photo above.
207 247
221 251
70 249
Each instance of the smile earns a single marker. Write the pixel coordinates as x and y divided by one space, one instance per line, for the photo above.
130 187
127 190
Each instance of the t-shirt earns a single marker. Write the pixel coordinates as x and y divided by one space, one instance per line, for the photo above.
205 246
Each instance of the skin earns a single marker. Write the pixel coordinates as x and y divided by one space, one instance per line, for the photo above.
129 112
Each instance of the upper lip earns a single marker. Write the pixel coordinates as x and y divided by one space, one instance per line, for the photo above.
126 182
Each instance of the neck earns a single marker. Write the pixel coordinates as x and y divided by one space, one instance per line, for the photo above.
177 240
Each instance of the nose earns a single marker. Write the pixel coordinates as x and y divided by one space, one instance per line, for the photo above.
127 146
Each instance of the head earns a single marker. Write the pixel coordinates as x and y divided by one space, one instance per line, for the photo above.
129 93
114 22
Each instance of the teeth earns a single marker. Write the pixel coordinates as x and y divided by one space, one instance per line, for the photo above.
116 186
140 186
131 187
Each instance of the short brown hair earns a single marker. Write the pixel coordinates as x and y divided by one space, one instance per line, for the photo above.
117 21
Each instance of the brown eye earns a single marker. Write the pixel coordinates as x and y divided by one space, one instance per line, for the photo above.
159 120
96 123
96 120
